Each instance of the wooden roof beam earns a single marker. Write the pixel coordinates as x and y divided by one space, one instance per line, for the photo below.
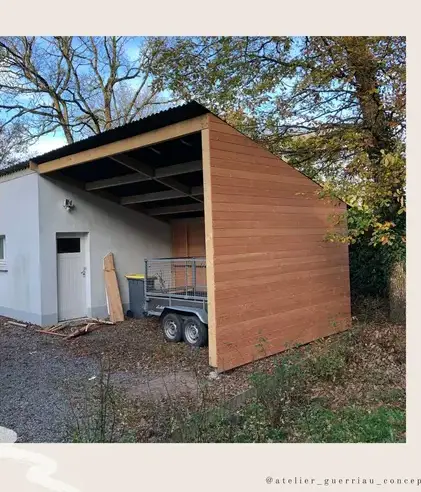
151 197
177 169
160 195
174 170
117 181
148 171
147 139
176 209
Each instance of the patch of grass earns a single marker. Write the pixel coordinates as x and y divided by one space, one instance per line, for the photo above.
314 423
352 424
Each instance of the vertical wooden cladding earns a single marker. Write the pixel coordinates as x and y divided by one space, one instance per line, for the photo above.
188 237
276 281
188 240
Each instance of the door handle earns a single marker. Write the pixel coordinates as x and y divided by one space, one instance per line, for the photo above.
83 272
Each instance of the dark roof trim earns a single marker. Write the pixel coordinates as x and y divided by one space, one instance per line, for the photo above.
14 168
150 123
153 122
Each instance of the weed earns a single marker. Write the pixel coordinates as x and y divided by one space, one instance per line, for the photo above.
100 416
330 365
284 389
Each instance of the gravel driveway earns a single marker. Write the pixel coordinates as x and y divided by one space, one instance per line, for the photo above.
37 377
41 374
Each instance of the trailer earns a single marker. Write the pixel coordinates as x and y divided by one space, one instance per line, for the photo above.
175 290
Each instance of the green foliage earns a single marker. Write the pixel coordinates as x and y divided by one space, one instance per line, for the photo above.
334 107
368 271
370 267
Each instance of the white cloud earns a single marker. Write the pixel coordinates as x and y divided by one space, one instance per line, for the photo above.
47 143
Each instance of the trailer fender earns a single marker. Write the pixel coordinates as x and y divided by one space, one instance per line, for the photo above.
200 313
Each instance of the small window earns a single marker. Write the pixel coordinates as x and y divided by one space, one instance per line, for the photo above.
2 253
68 245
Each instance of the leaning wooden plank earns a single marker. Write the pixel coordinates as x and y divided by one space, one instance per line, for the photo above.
115 307
15 323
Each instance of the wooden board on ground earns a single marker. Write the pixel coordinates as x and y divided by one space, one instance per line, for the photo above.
15 323
115 307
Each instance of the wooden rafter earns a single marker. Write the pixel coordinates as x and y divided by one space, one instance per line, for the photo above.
147 171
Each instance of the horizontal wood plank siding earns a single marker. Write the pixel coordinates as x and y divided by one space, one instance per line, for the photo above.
276 281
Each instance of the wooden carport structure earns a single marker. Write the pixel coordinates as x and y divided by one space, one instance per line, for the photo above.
272 279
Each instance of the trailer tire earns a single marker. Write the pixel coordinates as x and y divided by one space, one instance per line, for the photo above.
172 327
195 333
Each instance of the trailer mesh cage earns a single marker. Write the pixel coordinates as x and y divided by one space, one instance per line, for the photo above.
176 277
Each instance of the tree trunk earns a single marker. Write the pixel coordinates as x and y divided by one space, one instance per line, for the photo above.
397 292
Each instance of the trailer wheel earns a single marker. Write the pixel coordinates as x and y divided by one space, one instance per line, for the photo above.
195 333
171 325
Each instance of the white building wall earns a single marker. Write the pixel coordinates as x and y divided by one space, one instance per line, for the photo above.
131 236
20 294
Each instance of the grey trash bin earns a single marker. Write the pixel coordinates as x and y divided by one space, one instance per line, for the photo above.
136 296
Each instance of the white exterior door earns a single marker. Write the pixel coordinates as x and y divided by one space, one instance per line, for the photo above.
71 277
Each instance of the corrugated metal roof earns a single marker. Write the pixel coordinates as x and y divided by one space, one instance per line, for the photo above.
154 121
13 168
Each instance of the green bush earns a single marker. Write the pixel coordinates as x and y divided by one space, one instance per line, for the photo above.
370 266
368 270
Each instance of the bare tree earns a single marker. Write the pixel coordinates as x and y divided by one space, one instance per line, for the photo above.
13 146
81 85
